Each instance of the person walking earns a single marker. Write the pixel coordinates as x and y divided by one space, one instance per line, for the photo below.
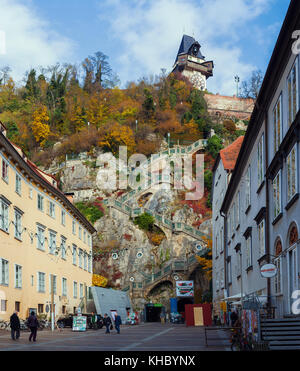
94 321
118 322
107 323
233 317
15 326
162 318
33 324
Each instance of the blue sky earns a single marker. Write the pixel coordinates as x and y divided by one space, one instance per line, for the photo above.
142 36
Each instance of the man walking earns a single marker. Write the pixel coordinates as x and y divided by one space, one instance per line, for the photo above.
118 322
94 321
15 326
33 324
107 323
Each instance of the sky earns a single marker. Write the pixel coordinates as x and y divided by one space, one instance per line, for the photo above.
141 37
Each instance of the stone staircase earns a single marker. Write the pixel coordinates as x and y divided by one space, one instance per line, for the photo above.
282 333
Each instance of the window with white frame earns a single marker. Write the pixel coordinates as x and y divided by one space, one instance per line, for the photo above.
3 305
41 282
277 195
64 287
4 170
84 236
18 225
74 227
229 271
90 264
277 129
63 247
80 258
30 193
292 91
222 279
238 265
81 291
74 254
85 261
4 220
260 160
18 276
18 184
248 251
278 277
292 176
80 233
40 237
248 187
52 276
51 209
40 201
75 290
261 238
63 217
4 272
52 242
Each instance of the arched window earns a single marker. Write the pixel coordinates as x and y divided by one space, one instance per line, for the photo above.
278 247
293 235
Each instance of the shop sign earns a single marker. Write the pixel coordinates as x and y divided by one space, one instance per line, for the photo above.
268 270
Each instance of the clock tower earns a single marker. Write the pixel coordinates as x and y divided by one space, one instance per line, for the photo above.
191 63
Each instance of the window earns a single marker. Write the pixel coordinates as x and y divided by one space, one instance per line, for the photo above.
54 284
80 258
261 238
90 264
17 306
3 305
81 291
41 238
248 187
18 225
292 89
277 125
30 193
229 271
4 273
18 276
74 253
4 221
248 252
84 236
52 242
277 195
18 184
4 170
292 173
40 308
64 287
63 217
63 247
80 233
51 209
260 160
89 241
40 200
85 261
74 227
41 282
75 289
278 277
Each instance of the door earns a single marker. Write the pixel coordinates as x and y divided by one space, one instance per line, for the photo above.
292 275
198 316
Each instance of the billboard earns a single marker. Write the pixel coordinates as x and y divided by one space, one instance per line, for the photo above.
185 289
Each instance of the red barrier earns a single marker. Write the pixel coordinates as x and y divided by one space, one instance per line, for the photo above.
189 314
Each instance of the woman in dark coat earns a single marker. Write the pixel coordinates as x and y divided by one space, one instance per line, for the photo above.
33 324
15 326
107 323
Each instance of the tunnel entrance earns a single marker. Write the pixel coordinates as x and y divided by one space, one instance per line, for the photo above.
153 312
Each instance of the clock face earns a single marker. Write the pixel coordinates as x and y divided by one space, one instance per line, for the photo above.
198 81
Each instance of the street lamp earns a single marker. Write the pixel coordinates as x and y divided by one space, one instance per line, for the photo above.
237 80
169 140
136 125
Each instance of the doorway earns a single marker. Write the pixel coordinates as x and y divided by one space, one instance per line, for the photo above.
292 268
153 313
182 302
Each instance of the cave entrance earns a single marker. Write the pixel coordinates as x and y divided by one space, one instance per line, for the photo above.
153 312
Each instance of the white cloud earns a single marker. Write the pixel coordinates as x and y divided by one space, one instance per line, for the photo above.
30 41
152 30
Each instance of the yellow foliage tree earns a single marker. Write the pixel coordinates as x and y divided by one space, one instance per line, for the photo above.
206 262
116 135
40 127
99 281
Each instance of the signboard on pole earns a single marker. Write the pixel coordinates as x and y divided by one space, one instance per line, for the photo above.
79 323
268 270
185 289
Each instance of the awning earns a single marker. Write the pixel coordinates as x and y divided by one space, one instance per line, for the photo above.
236 297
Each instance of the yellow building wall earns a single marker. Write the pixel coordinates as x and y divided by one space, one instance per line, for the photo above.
26 254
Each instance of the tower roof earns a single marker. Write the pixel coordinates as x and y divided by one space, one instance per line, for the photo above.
186 44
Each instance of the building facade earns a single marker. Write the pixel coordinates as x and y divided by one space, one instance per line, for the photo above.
42 235
261 204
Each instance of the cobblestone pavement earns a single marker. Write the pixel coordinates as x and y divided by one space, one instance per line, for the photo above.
144 337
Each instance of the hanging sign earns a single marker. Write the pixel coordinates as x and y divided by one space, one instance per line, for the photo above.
185 288
268 270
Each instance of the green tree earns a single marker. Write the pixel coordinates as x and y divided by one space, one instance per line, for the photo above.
145 221
214 145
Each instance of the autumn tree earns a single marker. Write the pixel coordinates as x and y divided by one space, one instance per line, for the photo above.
40 126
